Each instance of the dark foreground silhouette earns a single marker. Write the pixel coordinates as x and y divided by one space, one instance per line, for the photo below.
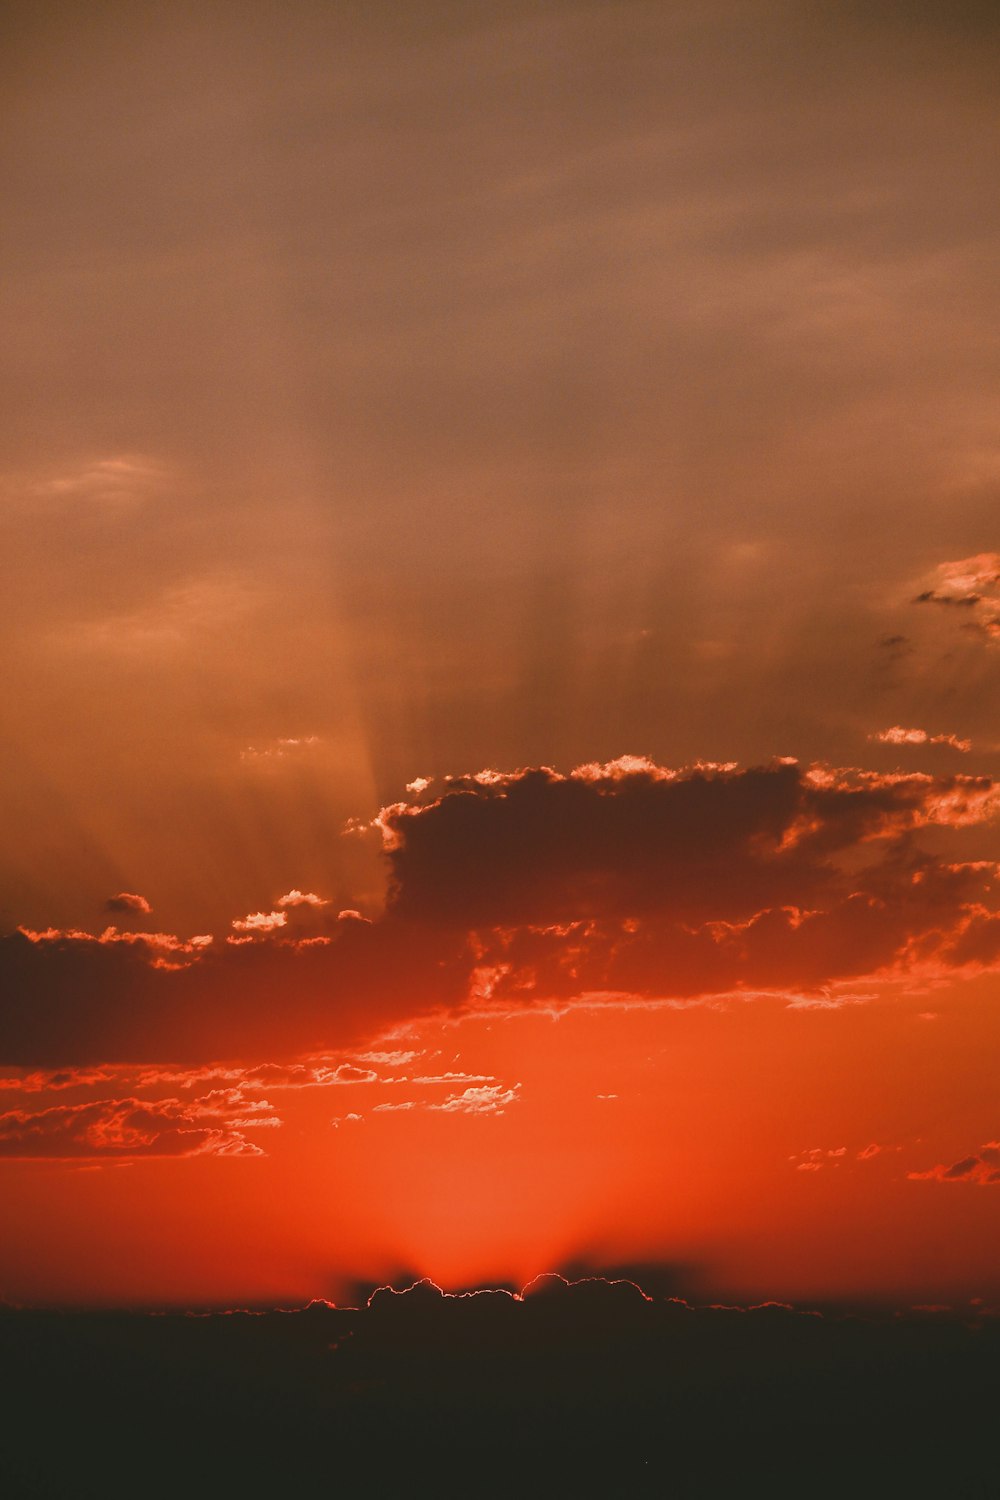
587 1388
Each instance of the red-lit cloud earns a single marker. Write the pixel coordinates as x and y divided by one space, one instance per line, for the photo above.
819 1157
212 1125
260 922
279 749
299 1075
897 735
630 839
981 1167
482 1099
972 585
128 901
627 879
55 1081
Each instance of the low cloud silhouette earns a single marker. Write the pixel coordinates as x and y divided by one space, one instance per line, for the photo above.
587 1387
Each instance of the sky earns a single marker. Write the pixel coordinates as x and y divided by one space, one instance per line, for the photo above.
500 610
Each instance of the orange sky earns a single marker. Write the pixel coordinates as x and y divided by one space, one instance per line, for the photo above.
402 398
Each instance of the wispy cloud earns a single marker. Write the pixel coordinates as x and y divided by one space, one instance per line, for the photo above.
897 735
483 1099
971 586
282 748
180 617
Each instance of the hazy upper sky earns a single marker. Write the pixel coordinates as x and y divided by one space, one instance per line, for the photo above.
397 390
473 384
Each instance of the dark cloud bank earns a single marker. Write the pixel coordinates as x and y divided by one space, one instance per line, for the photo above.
622 878
587 1388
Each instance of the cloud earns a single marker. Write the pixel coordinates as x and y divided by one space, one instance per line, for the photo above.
163 950
231 1078
280 748
396 1058
629 839
128 901
818 1157
626 880
73 999
298 911
347 1073
931 596
176 621
979 572
54 1081
451 1078
210 1126
971 584
632 880
897 735
485 1099
981 1167
121 481
295 1075
260 921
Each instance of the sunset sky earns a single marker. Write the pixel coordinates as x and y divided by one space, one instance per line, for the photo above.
500 614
